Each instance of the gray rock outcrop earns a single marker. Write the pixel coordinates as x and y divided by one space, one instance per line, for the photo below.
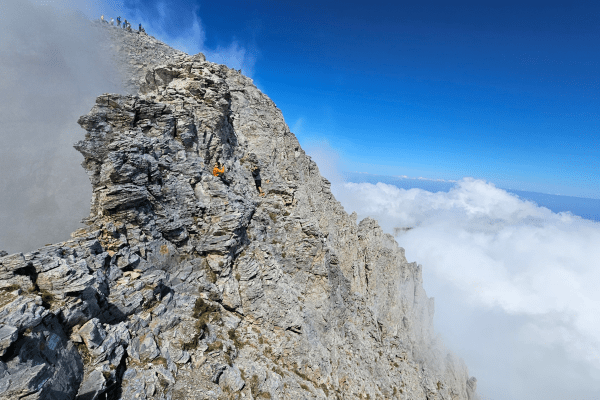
186 283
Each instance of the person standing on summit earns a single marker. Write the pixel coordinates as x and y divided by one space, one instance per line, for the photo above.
119 21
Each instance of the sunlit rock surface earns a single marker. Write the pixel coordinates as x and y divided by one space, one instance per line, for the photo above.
188 285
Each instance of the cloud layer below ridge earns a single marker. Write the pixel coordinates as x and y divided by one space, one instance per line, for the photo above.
515 284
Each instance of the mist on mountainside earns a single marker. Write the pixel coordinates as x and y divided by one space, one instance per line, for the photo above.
53 65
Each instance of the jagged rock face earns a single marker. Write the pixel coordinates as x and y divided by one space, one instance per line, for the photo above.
189 285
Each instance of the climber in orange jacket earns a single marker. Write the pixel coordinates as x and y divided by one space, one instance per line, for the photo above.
217 171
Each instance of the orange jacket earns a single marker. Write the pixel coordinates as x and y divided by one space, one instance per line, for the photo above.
217 171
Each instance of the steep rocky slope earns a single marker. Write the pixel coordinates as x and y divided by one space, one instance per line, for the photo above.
188 285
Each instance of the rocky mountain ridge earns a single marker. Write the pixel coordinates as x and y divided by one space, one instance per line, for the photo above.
184 284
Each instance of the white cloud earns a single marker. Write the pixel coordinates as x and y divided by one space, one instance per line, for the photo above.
234 56
52 68
485 252
326 158
298 128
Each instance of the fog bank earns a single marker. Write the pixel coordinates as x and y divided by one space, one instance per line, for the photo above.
52 66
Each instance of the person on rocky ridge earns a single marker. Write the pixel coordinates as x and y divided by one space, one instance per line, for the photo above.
255 169
257 179
218 170
119 21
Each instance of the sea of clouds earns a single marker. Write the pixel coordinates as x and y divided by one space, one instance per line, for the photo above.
516 285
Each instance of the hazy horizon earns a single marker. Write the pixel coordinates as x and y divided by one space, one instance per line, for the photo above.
585 207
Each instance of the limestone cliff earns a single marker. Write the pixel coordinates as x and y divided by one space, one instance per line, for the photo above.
188 285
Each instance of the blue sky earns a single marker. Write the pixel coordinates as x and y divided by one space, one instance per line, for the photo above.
505 92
